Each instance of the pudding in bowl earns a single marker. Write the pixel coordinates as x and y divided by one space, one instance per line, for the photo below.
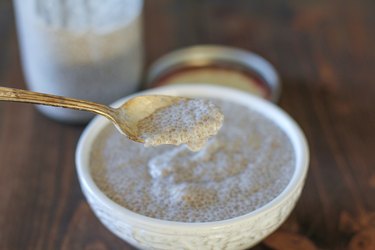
229 195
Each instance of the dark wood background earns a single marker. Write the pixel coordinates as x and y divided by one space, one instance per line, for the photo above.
325 53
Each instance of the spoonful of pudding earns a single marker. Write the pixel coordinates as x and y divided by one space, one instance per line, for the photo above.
150 119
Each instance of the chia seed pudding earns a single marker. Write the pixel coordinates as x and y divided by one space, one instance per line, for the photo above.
246 165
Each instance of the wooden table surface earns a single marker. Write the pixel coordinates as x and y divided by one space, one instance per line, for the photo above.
325 54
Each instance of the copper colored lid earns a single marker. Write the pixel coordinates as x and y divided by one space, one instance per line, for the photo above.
212 64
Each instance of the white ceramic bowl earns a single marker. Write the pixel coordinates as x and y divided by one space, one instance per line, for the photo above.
236 233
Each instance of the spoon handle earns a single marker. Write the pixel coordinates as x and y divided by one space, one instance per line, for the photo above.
25 96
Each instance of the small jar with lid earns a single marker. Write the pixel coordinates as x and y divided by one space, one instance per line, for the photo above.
218 65
88 49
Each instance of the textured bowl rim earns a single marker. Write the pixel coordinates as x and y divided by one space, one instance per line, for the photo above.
267 108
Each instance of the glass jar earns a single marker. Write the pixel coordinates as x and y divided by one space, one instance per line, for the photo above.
88 49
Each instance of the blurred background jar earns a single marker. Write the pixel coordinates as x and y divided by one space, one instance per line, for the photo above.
88 49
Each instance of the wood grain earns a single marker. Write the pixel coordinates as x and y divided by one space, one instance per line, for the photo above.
325 54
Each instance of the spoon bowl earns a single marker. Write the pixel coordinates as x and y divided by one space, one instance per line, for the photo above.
136 109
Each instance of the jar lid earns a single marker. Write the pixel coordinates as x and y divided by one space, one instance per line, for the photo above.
220 65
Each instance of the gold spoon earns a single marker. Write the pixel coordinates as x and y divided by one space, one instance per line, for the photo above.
125 118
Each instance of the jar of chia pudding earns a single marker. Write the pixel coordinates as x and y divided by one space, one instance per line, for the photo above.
87 49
